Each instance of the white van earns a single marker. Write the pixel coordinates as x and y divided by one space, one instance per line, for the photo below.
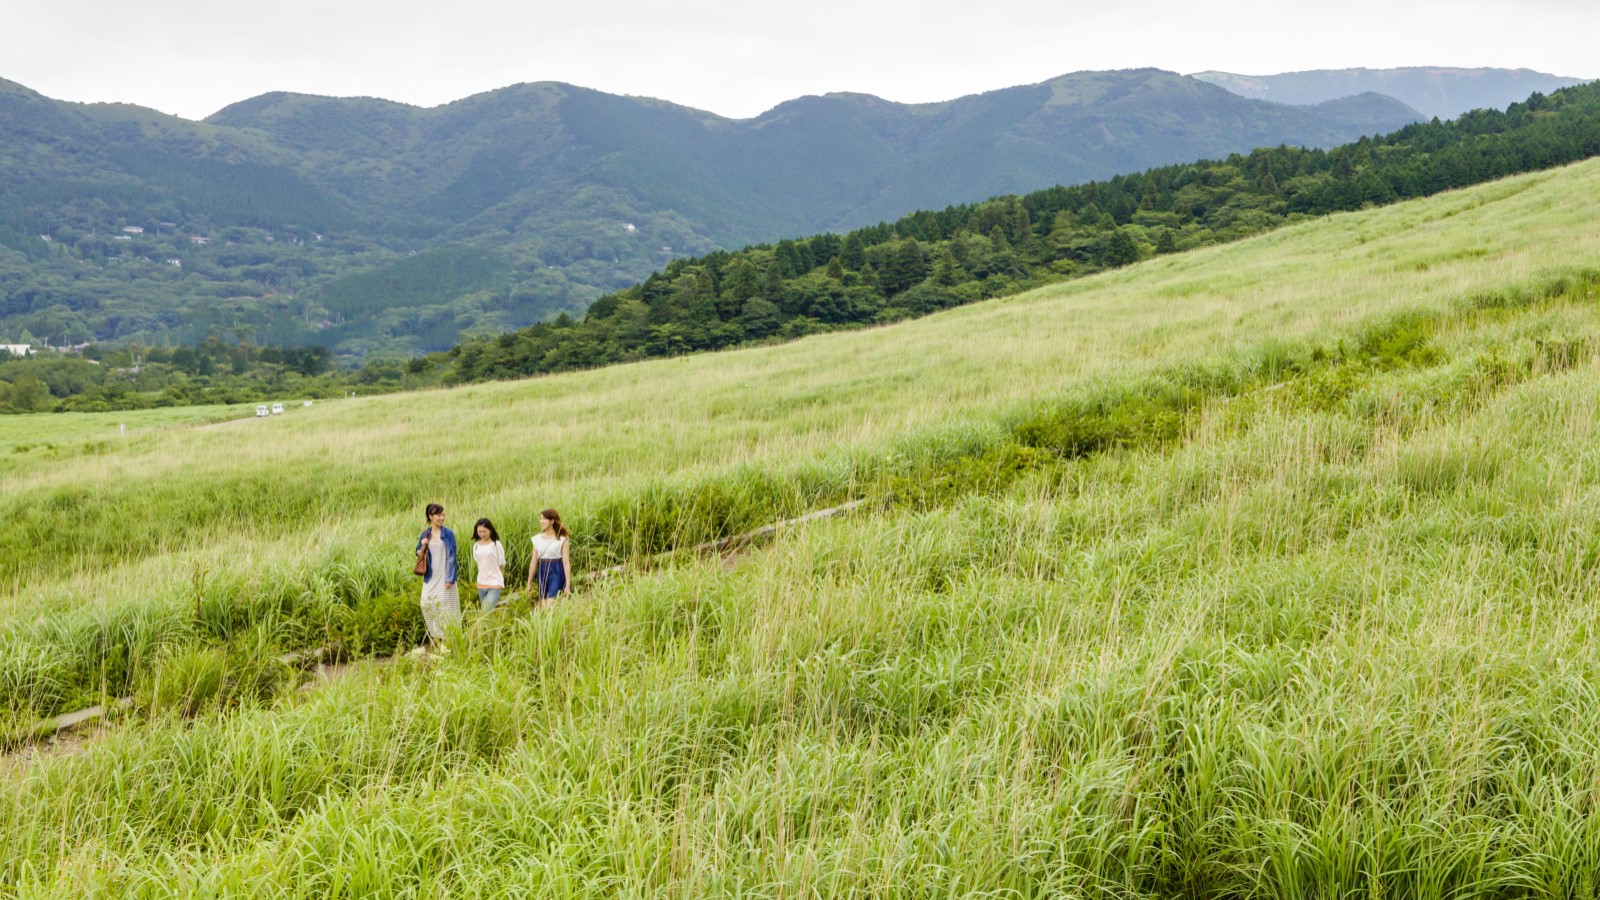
261 411
277 409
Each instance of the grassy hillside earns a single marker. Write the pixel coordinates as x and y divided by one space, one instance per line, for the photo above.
1262 568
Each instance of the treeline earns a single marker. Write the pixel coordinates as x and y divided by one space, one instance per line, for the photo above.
930 261
103 378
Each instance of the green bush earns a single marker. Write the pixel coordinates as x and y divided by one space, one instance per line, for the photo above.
377 625
1400 342
1146 416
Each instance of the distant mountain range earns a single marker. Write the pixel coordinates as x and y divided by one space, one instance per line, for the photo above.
1433 91
372 226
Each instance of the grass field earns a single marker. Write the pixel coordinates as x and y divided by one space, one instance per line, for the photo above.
47 433
1265 569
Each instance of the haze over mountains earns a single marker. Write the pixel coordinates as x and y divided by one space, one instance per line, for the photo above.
1434 91
372 226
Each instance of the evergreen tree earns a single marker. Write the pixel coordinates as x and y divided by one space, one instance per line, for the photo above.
853 255
824 248
1150 197
772 284
761 318
740 281
870 279
948 271
1121 250
907 267
792 263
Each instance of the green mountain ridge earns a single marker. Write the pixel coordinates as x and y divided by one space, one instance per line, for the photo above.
263 221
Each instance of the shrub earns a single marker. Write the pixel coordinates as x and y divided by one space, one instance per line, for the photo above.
376 625
1146 416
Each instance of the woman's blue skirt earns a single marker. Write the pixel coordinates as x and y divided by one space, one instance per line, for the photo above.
552 578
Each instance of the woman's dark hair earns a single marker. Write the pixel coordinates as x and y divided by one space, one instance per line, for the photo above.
555 523
485 523
432 510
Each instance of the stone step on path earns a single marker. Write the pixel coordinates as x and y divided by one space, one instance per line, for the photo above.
75 720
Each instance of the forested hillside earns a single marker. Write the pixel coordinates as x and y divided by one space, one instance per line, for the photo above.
372 227
935 260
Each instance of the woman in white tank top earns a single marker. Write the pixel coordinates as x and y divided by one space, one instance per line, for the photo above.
551 566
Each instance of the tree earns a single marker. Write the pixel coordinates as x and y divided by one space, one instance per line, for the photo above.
906 267
1121 249
741 280
854 254
824 248
761 317
1019 226
694 294
632 322
772 284
793 259
947 272
28 394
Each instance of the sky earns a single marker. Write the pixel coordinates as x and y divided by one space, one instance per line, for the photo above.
193 57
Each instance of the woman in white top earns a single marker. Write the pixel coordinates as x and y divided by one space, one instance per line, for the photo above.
491 560
551 565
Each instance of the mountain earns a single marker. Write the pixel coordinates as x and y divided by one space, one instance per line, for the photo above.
828 162
373 226
1438 92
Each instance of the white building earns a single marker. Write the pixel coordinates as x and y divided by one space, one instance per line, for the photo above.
17 349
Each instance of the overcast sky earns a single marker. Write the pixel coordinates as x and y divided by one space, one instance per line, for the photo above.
192 57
